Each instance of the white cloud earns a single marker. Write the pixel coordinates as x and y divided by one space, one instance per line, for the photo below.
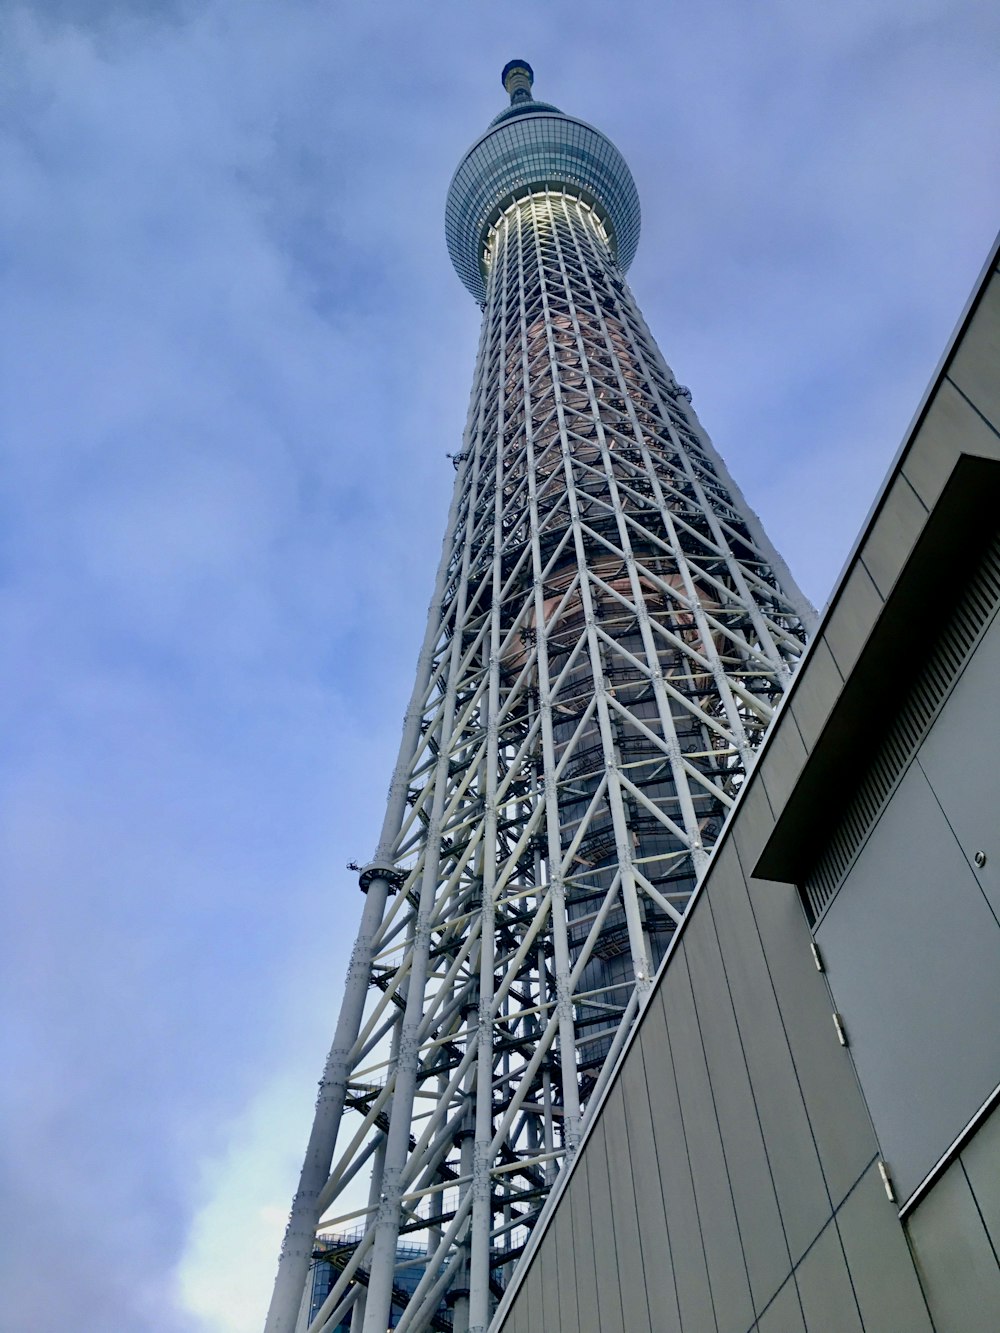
226 1272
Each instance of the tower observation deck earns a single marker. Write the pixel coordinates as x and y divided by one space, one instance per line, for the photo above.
609 635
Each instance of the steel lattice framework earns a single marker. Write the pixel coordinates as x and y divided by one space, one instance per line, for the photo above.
609 636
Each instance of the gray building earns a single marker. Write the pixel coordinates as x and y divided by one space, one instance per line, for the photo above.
810 1143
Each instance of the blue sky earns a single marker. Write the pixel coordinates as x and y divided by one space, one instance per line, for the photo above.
234 358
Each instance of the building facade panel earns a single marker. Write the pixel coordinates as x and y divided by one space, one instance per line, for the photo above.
535 1313
955 1259
838 1117
885 1283
755 825
765 1251
825 1287
816 693
622 1167
852 619
657 1254
727 1272
894 534
588 1232
606 1240
566 1270
518 1321
951 424
981 1162
784 1314
974 366
803 1199
687 1250
783 762
552 1315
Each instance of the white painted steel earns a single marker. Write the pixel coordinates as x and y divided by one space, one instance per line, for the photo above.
610 634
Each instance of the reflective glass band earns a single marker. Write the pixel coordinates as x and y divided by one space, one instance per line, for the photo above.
537 151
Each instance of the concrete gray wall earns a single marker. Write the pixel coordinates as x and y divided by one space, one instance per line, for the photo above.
730 1180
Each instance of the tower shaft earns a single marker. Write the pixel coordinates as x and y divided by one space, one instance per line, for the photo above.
610 634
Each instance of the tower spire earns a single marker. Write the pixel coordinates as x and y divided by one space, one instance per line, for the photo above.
517 78
610 634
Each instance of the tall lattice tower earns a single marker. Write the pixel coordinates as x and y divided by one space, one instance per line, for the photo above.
609 635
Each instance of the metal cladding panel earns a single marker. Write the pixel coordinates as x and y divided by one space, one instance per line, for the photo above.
515 1322
628 1243
784 1314
882 1273
533 1315
727 1273
803 1200
853 617
755 823
816 693
657 1255
957 1263
606 1259
782 763
974 368
825 1289
981 1159
764 1247
899 524
577 1200
959 758
837 1113
548 1276
690 1270
951 423
566 1274
913 953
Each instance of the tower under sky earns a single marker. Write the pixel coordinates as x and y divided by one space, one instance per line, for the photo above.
609 636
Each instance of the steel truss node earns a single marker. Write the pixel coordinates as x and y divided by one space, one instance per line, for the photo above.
609 636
